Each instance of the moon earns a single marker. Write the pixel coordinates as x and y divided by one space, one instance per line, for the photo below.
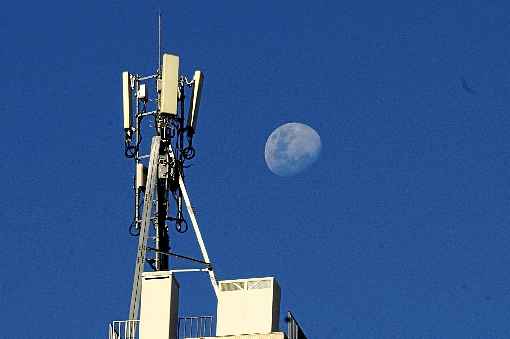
292 148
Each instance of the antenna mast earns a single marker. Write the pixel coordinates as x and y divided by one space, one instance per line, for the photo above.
161 150
159 174
159 41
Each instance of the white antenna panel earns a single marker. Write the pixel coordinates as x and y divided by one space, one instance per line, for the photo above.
141 176
126 100
198 78
170 84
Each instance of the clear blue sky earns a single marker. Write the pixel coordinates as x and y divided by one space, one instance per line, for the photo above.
400 230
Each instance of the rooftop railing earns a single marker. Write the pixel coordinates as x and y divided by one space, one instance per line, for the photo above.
196 327
294 331
123 329
189 327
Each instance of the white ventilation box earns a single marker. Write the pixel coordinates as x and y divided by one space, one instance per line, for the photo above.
248 306
159 306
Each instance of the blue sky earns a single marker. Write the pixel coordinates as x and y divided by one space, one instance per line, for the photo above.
399 230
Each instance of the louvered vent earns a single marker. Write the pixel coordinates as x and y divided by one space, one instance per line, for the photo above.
259 284
232 286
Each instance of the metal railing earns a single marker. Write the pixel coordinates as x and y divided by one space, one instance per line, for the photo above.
294 331
189 327
196 327
123 329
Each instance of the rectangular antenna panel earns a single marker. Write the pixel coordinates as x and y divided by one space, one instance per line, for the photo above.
141 176
198 78
126 100
170 84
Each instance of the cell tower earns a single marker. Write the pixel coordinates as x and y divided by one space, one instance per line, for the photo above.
246 308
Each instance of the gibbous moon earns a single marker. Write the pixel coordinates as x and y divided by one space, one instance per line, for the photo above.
292 148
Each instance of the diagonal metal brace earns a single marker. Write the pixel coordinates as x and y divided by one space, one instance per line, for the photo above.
198 234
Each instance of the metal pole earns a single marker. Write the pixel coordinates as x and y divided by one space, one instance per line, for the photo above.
137 161
159 41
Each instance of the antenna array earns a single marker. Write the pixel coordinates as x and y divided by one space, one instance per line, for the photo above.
161 98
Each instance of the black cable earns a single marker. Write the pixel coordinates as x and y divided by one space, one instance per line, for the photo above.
179 222
188 152
131 150
178 226
131 227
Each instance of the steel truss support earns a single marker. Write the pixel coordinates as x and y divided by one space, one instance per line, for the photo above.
152 177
